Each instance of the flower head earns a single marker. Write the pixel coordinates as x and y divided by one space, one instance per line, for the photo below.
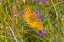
42 33
41 1
20 13
39 16
37 12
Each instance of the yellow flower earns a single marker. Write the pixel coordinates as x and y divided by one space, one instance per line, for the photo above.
32 20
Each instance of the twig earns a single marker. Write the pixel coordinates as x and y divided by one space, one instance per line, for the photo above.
55 9
14 10
13 34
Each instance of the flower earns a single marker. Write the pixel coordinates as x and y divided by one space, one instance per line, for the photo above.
20 13
42 33
41 1
39 16
38 1
37 12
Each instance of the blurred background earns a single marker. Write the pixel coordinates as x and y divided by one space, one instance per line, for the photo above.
13 28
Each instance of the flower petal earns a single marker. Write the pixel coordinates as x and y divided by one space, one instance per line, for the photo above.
20 13
43 1
37 12
39 17
42 33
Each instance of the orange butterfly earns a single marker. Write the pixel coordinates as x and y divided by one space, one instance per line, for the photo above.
32 19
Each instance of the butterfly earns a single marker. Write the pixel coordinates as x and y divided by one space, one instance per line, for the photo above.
32 19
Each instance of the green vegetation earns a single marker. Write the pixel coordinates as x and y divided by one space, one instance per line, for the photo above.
14 29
